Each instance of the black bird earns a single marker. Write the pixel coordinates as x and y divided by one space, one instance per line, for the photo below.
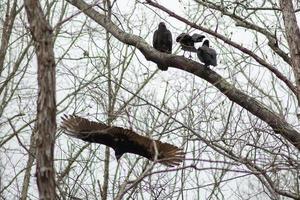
207 55
162 41
122 140
197 37
187 42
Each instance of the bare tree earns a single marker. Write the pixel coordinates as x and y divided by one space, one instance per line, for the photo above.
237 122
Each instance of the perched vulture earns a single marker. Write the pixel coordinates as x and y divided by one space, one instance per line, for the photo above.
207 55
162 41
121 140
187 42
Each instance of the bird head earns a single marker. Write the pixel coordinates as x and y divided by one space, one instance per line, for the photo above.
162 25
205 43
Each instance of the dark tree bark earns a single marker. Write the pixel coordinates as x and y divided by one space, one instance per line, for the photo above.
46 104
293 38
277 122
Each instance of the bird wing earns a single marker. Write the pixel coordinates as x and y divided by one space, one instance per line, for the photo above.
188 48
167 154
200 54
169 41
155 39
87 130
197 37
122 140
213 54
179 37
185 40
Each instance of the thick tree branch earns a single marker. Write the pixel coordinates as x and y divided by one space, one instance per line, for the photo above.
278 124
46 103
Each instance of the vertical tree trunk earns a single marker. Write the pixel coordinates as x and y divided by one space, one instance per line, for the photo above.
46 104
293 39
107 5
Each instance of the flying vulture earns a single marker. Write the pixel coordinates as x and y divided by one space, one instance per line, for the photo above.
187 42
121 140
162 41
207 55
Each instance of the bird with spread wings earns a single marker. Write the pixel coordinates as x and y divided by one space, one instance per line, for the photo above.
187 42
122 140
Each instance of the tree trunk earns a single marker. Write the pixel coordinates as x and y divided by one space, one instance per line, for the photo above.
293 38
46 103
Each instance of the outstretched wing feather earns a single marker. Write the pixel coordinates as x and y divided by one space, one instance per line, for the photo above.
170 41
87 130
168 154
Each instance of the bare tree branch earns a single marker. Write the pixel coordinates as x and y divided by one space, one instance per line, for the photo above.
273 41
6 31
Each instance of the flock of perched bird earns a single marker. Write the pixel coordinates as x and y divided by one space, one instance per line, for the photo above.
126 140
162 41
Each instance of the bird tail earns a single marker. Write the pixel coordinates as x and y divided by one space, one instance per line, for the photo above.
169 155
79 127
